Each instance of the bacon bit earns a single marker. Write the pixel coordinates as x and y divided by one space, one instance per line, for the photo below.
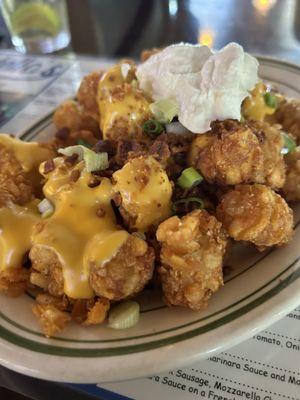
71 159
49 166
117 199
100 212
62 134
75 174
106 146
94 181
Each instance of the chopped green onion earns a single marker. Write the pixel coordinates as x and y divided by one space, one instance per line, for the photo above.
152 127
270 100
46 208
189 178
199 202
164 110
93 161
289 144
47 213
83 143
124 315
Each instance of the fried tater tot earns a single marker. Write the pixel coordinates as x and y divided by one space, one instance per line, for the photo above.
13 281
87 93
52 320
65 138
46 271
235 153
90 312
127 273
191 257
271 143
123 107
71 115
19 177
145 192
256 214
291 188
288 116
14 184
45 299
228 155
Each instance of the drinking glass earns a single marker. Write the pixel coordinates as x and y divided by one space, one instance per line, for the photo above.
37 26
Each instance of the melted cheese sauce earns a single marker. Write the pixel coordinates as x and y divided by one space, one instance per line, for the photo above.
254 107
16 227
76 234
146 191
29 154
122 107
59 179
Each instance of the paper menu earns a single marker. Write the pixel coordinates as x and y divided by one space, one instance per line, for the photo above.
265 367
33 86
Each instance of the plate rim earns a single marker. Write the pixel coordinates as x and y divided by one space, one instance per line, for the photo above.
183 355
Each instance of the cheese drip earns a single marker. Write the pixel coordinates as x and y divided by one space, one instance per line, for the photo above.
123 108
75 232
254 107
16 226
29 154
145 190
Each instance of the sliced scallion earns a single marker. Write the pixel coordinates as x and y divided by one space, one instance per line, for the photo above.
93 161
270 100
164 110
46 208
196 200
83 143
124 315
152 127
189 178
289 144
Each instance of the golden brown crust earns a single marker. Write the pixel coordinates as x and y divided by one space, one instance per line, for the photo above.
52 320
235 153
228 155
45 299
291 189
127 273
73 138
271 143
46 271
15 185
87 93
71 115
191 257
255 213
13 281
288 115
91 311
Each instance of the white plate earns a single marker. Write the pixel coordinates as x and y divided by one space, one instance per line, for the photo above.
260 289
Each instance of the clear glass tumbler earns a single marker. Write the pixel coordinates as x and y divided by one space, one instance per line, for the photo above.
37 26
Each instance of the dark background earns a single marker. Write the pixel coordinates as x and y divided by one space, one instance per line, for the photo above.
116 28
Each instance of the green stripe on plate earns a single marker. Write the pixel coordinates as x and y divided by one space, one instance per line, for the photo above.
36 333
96 352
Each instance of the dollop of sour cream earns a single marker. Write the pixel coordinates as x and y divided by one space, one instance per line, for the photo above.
206 85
